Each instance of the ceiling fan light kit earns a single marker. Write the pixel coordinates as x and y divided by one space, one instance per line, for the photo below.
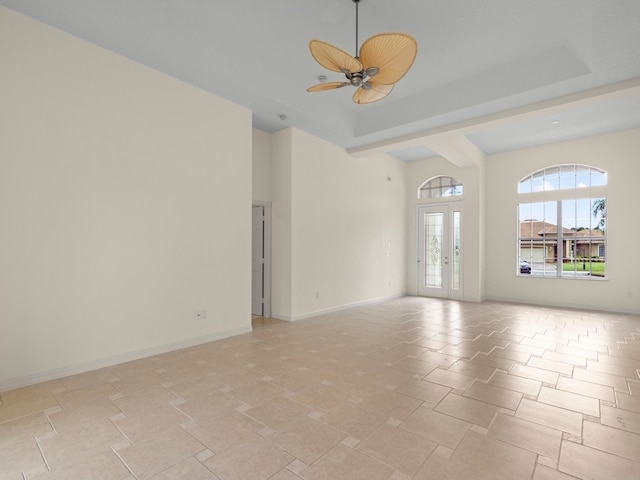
381 63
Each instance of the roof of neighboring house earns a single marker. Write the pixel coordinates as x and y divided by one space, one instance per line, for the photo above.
596 232
538 229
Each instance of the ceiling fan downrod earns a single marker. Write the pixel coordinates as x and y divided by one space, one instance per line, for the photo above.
357 55
360 78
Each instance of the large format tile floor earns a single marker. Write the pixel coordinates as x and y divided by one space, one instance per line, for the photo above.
410 388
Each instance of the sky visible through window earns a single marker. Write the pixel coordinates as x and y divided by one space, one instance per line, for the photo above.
576 213
441 186
562 177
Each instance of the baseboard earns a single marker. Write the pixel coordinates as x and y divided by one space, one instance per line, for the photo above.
324 311
57 373
567 305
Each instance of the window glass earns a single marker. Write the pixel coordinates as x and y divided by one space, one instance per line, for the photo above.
434 234
563 238
574 246
440 187
552 179
562 177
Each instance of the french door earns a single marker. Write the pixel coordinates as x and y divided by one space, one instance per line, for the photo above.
440 250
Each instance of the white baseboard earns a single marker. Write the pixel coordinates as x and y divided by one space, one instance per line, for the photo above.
56 373
323 311
567 305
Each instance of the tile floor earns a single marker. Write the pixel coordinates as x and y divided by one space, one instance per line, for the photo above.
412 388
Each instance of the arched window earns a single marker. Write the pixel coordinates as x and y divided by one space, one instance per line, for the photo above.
562 177
440 186
560 237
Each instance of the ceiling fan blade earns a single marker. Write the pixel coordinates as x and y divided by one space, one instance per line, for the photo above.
333 58
377 92
392 53
320 87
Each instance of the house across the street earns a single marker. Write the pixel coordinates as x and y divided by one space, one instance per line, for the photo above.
539 243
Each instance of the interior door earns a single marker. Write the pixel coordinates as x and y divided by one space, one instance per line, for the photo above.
440 250
258 261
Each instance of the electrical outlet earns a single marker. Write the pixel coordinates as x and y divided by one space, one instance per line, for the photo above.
199 314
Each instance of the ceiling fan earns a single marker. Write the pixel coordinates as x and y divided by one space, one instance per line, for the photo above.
382 61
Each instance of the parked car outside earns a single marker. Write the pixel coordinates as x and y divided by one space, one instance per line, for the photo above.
525 267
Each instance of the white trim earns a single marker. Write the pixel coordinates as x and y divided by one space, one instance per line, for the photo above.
303 316
568 305
18 382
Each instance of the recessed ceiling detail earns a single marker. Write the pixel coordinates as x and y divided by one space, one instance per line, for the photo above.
476 60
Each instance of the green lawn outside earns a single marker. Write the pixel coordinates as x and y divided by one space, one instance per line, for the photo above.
596 268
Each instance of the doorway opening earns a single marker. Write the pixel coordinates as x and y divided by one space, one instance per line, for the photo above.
261 260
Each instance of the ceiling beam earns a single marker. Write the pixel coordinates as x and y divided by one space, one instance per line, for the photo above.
457 149
450 141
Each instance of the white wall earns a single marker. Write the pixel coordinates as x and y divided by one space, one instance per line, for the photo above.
125 205
347 227
617 154
261 166
472 217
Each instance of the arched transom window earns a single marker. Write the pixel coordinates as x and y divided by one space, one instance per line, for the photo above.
562 177
440 186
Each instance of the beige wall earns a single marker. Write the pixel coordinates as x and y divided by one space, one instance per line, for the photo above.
125 205
262 167
339 226
617 154
281 224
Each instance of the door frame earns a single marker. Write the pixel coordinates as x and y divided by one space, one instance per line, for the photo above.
448 208
266 240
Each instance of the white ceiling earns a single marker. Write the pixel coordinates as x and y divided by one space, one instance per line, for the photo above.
490 75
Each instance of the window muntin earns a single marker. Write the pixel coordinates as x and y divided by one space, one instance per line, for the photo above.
563 238
441 186
562 177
